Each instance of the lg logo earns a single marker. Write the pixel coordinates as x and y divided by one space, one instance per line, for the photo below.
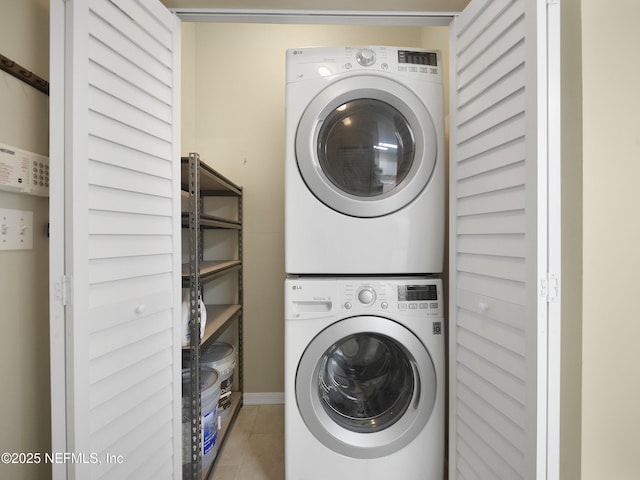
296 287
298 52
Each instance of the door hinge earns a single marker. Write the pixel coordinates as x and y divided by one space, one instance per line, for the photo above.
550 288
63 290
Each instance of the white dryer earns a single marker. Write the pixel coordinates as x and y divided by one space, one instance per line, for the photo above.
364 378
365 153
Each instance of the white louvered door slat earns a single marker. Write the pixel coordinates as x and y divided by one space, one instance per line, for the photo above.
122 385
499 239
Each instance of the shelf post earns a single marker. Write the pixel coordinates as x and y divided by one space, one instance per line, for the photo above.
240 374
195 257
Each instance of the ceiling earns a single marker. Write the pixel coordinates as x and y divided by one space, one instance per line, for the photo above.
350 5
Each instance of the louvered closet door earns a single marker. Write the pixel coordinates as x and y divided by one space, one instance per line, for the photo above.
498 310
116 402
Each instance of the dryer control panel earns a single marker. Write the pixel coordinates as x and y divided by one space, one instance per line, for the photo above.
407 296
324 62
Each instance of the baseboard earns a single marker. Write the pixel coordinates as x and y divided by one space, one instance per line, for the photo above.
263 398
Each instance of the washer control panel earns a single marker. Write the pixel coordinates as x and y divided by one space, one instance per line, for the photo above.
420 296
321 297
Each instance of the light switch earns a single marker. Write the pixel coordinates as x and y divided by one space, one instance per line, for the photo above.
16 229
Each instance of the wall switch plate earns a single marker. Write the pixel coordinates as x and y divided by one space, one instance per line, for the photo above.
23 172
16 229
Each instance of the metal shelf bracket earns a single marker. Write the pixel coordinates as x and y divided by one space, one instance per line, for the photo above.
21 73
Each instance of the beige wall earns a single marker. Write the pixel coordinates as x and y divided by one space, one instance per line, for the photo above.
571 234
24 327
611 319
187 126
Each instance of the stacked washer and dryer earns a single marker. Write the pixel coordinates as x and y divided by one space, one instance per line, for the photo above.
364 233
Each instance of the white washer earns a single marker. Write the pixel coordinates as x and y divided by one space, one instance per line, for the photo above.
364 170
364 378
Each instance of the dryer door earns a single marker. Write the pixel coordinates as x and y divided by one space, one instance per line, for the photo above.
365 386
366 146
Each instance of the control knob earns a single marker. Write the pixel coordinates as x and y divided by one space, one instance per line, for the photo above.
367 295
366 57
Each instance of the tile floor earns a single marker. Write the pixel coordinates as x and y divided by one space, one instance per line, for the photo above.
255 447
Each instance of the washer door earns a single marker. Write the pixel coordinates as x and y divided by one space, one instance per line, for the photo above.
366 146
365 386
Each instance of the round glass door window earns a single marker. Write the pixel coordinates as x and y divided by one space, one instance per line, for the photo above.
365 386
366 147
365 382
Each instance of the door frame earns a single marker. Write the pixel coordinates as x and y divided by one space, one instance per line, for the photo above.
57 214
550 226
310 17
59 289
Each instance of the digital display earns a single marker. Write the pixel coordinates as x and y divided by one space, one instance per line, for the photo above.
416 293
418 58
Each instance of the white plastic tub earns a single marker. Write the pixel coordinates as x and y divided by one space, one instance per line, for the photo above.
210 396
222 357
